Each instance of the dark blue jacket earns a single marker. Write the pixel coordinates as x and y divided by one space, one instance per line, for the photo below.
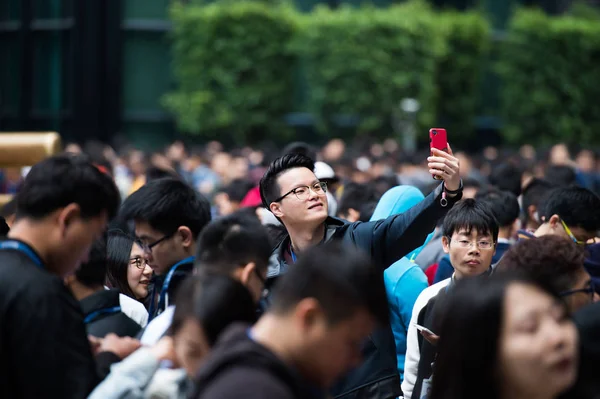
387 241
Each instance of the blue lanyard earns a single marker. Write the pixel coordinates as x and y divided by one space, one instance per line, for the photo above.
292 254
23 248
97 313
165 288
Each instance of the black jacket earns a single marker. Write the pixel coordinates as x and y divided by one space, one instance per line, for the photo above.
44 350
238 367
386 241
183 271
117 323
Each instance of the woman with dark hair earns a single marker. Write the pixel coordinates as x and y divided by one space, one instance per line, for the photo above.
206 305
127 269
504 337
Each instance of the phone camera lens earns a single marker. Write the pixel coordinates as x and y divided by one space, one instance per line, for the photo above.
435 132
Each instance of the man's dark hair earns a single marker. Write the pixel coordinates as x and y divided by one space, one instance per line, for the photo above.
503 204
155 173
4 229
355 196
65 179
576 206
231 242
167 204
237 189
215 301
302 148
471 214
92 273
9 209
341 278
560 175
533 194
550 259
269 189
507 177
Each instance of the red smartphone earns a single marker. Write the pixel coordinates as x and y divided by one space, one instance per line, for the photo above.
438 139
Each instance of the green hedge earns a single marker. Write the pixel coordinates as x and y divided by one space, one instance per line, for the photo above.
364 61
460 70
232 65
242 66
551 78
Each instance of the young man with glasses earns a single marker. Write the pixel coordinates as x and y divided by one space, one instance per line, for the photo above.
469 236
570 212
168 215
292 192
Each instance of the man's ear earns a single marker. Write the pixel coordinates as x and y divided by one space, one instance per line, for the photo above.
246 272
446 244
554 221
353 215
67 216
187 237
275 209
307 313
70 279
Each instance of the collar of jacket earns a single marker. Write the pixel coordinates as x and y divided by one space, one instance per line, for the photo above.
277 263
100 300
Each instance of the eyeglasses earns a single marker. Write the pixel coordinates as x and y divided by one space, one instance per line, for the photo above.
139 262
570 234
147 248
589 290
483 244
303 192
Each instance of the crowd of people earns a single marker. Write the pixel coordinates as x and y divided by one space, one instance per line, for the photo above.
301 273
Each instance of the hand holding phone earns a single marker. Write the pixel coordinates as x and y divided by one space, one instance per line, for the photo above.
442 163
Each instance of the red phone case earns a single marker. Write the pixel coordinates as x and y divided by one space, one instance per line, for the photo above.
438 139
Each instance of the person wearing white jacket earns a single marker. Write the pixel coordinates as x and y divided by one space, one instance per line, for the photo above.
413 353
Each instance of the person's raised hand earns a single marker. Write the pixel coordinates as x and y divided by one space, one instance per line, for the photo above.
120 346
95 344
445 166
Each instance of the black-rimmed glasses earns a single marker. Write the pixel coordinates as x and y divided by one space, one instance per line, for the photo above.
589 290
138 262
303 192
148 247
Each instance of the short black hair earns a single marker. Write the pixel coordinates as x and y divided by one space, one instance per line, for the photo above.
507 177
155 173
302 148
215 301
561 175
65 179
533 194
366 211
504 205
341 278
92 273
552 260
269 189
231 242
4 229
576 206
471 214
355 196
9 209
166 204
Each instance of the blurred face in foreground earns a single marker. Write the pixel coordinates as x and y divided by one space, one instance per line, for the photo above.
538 344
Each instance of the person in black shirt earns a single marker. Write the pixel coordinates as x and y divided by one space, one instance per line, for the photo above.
101 307
63 206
